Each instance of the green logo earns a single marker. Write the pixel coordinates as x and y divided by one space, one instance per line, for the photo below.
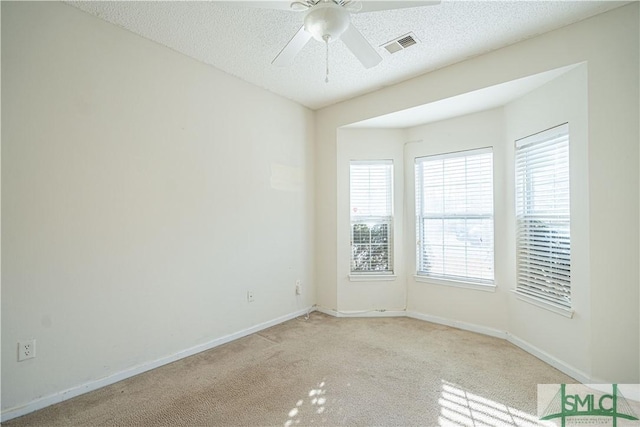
565 405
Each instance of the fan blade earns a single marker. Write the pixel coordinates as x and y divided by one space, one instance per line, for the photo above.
353 6
376 5
360 47
266 4
295 45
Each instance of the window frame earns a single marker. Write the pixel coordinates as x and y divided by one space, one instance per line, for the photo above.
486 284
371 221
550 286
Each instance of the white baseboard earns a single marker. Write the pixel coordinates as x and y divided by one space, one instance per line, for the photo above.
119 376
485 330
327 311
61 396
361 313
551 360
531 349
372 313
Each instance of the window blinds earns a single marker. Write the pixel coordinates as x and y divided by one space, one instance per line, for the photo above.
454 212
543 216
371 190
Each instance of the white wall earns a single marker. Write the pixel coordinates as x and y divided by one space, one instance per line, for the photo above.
326 225
478 130
143 194
357 295
129 172
608 43
563 100
613 206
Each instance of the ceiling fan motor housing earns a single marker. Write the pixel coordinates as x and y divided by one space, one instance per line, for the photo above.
326 20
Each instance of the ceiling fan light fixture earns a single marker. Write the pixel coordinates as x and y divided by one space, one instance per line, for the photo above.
326 21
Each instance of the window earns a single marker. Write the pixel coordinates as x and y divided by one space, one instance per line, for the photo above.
371 184
454 214
543 216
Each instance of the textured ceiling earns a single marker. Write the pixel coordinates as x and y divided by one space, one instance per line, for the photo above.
243 40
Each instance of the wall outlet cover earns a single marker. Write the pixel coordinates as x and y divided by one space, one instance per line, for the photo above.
26 350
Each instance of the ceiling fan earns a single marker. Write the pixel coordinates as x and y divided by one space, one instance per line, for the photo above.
329 20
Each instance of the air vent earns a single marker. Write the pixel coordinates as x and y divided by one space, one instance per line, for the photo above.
400 43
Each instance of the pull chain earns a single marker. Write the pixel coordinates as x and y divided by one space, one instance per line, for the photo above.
326 42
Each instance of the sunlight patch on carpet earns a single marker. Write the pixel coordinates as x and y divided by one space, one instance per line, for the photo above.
459 407
315 397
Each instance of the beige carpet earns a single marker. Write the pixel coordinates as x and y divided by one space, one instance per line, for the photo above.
326 371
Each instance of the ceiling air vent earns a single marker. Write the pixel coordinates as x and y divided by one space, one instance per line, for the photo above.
400 43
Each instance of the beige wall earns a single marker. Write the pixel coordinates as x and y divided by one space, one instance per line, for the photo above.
357 295
137 182
608 43
143 194
474 306
563 100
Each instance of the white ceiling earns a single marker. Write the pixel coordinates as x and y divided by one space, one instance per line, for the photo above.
460 105
243 40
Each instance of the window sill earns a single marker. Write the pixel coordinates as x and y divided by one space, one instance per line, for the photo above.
456 284
371 277
554 308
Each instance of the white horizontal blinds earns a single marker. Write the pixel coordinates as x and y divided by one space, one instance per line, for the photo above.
543 216
454 211
371 184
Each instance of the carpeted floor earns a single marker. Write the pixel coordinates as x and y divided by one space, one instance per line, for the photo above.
326 371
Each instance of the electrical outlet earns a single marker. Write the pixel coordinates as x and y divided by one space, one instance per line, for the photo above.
250 296
26 350
298 287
